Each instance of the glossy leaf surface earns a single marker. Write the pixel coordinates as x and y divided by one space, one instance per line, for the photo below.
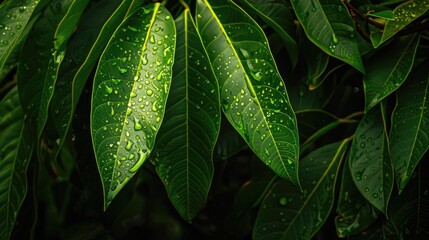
277 15
369 161
253 95
185 142
404 14
91 38
408 144
384 77
129 94
14 17
327 24
355 212
287 213
15 153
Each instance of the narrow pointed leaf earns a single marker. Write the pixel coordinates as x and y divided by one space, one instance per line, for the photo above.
14 17
409 211
277 15
130 90
409 138
384 77
288 213
355 212
15 153
98 24
37 73
253 95
404 14
328 24
186 140
369 160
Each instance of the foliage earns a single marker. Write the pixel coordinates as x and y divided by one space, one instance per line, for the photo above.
260 119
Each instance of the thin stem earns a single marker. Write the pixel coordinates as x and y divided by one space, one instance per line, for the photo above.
184 4
363 16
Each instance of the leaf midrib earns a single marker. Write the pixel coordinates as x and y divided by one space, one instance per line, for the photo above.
249 84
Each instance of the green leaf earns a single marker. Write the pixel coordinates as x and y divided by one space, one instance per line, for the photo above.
409 211
186 140
317 62
14 17
404 14
92 35
130 90
288 213
327 24
384 14
355 212
385 76
378 231
15 153
369 160
409 138
37 73
253 95
277 15
229 143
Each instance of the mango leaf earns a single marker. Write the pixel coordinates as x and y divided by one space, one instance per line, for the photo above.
37 73
384 77
288 213
317 62
404 14
15 153
92 35
277 15
409 144
409 211
328 24
384 14
253 95
130 90
14 17
185 142
355 212
369 160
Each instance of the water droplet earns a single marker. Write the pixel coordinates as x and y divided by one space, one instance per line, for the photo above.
154 108
144 59
108 89
137 124
134 29
149 92
140 161
289 161
129 145
334 38
283 201
199 16
167 17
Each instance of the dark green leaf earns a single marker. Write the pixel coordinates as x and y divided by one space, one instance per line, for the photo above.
92 35
129 94
378 231
409 138
355 212
369 160
186 140
404 14
253 95
385 14
317 62
37 73
287 213
277 15
14 17
409 211
327 24
15 153
386 75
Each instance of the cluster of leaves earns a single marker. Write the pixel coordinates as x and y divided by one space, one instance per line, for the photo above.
199 89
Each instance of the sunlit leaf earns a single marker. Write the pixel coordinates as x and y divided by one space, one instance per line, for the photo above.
15 153
277 15
404 14
186 140
129 94
287 213
327 23
253 95
92 35
409 138
369 160
384 77
355 212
